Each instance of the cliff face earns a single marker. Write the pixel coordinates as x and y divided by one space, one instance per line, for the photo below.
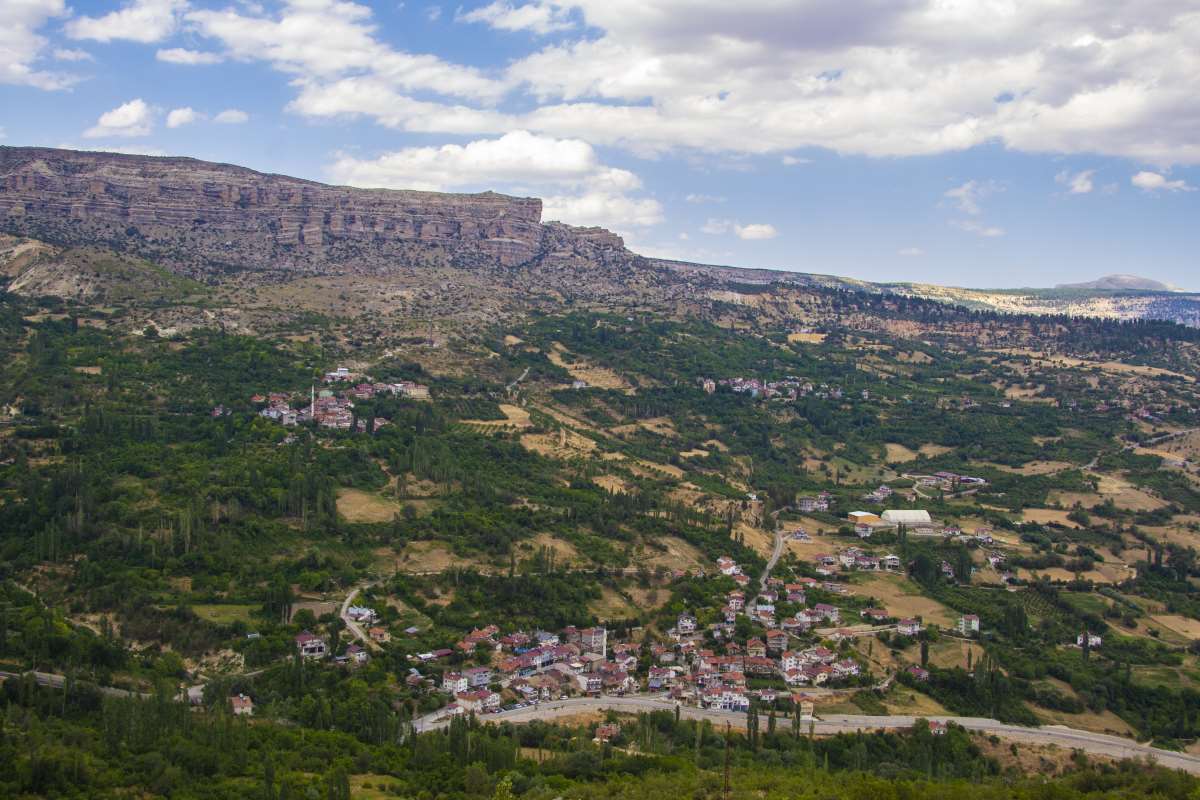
200 218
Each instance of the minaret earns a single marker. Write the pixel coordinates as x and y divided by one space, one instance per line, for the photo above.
312 402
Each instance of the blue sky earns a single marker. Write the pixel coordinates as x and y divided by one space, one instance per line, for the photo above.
961 142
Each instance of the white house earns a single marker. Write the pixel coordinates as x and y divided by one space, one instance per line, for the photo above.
908 627
968 624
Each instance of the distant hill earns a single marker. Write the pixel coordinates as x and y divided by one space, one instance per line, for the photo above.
1122 283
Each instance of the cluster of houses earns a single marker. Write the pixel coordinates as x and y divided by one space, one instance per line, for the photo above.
335 410
947 481
790 388
853 558
538 666
818 502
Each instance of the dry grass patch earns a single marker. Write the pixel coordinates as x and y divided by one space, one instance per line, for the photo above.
430 557
356 505
930 450
516 418
1047 516
1126 495
897 453
902 598
1104 722
678 555
612 483
906 702
611 605
591 374
563 445
1184 626
697 453
225 614
652 469
807 338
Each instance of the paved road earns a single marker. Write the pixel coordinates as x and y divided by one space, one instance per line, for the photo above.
355 629
57 681
1092 743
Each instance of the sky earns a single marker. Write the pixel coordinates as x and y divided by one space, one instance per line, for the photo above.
981 143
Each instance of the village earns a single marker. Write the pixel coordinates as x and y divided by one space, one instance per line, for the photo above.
332 409
784 644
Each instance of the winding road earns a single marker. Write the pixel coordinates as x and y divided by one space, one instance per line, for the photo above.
1091 743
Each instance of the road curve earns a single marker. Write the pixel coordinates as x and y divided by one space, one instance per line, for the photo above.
1091 743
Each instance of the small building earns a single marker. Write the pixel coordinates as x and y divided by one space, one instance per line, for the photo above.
1093 640
918 673
310 645
242 705
968 624
908 627
379 634
607 732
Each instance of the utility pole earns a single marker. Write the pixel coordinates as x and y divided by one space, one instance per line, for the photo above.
725 793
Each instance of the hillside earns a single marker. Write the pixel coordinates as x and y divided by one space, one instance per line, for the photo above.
360 526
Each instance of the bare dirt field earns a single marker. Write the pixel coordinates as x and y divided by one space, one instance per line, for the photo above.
517 418
356 505
806 338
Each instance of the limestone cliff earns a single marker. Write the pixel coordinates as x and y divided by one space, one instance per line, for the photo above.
202 219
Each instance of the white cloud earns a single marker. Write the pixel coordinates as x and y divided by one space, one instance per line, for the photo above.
330 49
138 21
578 187
537 17
178 117
793 161
700 199
878 77
910 252
968 196
232 116
134 118
1154 182
755 231
1077 183
181 55
21 46
433 13
750 232
977 228
68 54
611 210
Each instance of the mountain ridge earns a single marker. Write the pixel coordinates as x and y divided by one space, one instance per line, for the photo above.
216 223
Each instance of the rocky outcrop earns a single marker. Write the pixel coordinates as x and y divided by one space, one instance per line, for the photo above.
201 219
